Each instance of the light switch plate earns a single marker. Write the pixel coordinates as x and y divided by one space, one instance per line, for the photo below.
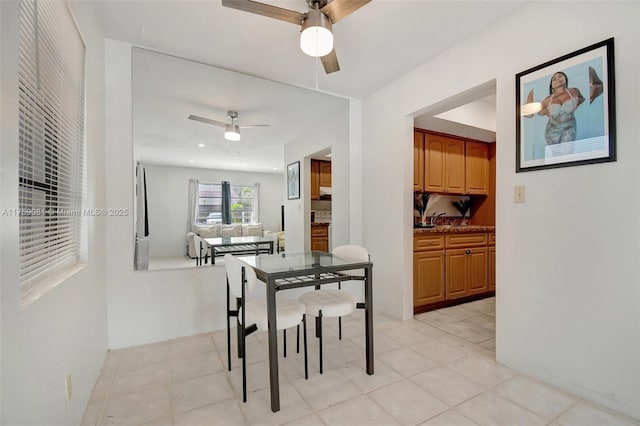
518 194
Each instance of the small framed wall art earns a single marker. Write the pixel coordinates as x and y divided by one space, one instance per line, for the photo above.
293 181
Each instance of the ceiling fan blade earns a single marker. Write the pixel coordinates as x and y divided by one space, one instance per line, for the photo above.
338 9
266 10
330 62
246 126
207 120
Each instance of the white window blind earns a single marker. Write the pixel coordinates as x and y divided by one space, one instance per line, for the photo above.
51 142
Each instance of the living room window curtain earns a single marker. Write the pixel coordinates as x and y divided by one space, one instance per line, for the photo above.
142 215
194 187
256 204
141 255
226 202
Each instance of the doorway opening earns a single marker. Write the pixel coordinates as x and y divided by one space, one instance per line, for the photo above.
454 215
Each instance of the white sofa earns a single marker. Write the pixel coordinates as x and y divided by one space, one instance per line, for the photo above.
232 230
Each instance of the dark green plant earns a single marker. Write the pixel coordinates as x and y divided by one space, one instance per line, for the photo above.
420 201
462 205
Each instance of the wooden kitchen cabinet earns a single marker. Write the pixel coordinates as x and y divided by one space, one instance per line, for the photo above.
320 238
449 165
492 262
428 277
418 161
476 168
428 269
320 176
455 166
467 267
444 164
315 180
451 267
325 173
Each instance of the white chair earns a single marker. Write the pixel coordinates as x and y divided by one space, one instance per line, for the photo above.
252 314
202 249
335 302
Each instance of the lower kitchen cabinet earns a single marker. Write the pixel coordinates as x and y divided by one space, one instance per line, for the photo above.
492 268
428 272
450 267
320 238
477 264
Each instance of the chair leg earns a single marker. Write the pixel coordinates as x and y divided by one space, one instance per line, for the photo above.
304 324
244 368
298 338
228 328
339 328
228 341
320 336
284 342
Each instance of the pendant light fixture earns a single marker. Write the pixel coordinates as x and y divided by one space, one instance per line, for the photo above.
232 131
316 38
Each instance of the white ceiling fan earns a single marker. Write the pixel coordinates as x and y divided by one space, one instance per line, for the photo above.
316 38
231 130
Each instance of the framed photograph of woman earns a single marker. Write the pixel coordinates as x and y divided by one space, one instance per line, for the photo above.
565 110
293 181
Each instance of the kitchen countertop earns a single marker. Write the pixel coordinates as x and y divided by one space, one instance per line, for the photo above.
454 229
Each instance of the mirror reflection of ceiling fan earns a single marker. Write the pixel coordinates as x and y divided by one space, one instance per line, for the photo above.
231 130
316 38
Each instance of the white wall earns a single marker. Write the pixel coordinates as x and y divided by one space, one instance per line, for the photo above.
168 202
64 331
568 300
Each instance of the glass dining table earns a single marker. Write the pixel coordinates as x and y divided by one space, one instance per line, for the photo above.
315 268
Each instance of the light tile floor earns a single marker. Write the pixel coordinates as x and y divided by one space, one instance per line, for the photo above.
437 369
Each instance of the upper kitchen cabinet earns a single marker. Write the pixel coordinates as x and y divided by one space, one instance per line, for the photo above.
443 164
418 161
315 180
325 173
320 177
449 165
477 168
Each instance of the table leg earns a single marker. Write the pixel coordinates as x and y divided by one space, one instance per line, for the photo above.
273 346
368 317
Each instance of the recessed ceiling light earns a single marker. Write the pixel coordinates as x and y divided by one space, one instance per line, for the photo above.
201 145
274 168
192 161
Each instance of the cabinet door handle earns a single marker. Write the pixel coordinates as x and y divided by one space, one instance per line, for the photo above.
468 251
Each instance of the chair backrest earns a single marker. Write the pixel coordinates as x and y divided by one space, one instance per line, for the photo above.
200 245
352 252
233 265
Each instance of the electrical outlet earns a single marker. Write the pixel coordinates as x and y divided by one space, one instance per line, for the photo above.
68 387
518 194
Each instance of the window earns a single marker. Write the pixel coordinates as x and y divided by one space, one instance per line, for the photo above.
243 202
51 88
209 203
241 208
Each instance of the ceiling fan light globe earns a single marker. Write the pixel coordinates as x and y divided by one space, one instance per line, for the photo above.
316 41
232 132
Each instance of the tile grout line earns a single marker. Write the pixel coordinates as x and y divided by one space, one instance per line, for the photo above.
106 399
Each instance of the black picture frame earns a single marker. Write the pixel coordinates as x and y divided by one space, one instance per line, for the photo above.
580 126
293 181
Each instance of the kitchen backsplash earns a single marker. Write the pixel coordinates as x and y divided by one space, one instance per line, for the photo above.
438 204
